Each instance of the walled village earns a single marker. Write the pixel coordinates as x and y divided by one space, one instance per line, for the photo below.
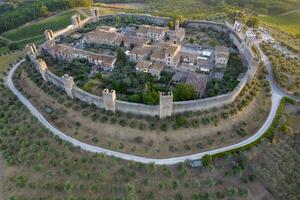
161 54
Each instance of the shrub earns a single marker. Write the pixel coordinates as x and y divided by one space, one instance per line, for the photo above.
181 121
206 160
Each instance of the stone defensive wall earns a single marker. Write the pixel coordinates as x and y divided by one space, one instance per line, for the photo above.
208 103
166 107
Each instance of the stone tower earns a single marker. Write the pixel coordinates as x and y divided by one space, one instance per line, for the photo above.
49 34
68 84
109 99
176 24
250 37
237 26
42 68
75 20
165 104
31 49
95 12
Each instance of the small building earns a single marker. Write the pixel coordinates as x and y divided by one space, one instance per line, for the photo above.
188 56
199 81
158 54
196 163
155 33
172 56
218 75
140 53
177 36
143 66
102 36
221 56
156 68
179 77
188 67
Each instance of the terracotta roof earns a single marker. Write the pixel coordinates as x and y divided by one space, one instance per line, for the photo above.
73 53
144 29
141 50
143 64
157 66
179 33
159 52
101 34
221 51
172 48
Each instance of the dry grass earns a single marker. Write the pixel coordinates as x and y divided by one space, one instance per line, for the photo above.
154 143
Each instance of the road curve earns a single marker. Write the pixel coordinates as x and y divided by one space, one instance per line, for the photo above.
276 97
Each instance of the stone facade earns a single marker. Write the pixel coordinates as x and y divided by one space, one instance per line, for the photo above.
109 99
76 20
42 68
31 49
68 84
95 12
165 104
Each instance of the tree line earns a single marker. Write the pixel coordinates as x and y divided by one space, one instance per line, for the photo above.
28 11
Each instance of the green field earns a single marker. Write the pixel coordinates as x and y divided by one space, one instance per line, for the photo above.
289 23
31 30
5 60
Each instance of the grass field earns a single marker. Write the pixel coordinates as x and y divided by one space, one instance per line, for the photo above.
5 60
289 23
31 30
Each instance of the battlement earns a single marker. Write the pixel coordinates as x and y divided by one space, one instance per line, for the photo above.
69 84
176 24
165 104
31 49
49 34
95 12
76 20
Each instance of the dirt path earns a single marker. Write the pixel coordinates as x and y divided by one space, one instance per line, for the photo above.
3 38
289 12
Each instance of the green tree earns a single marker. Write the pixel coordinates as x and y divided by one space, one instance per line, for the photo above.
207 160
151 97
252 22
184 92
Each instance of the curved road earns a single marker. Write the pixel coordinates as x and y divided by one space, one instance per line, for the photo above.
276 97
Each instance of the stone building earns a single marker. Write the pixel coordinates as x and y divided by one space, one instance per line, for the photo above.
156 68
67 53
102 36
172 56
155 33
221 56
199 82
140 53
143 66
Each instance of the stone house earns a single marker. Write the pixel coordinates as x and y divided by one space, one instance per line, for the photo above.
177 36
158 55
102 36
140 53
199 81
143 66
156 68
188 56
130 42
172 56
155 33
221 56
67 53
